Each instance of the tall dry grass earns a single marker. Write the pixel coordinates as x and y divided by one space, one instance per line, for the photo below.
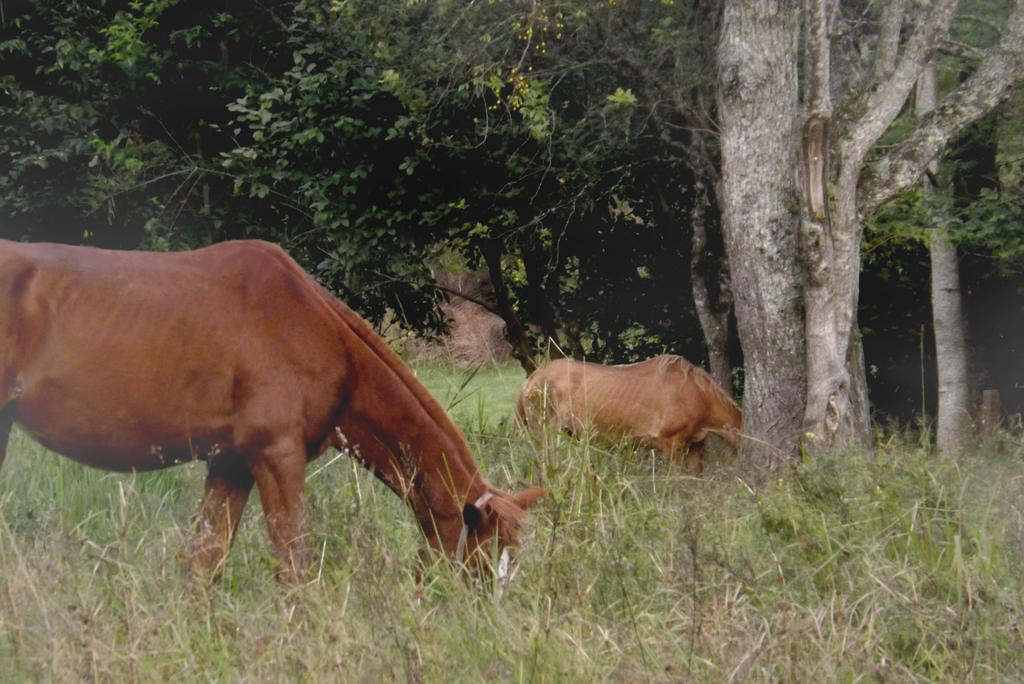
887 565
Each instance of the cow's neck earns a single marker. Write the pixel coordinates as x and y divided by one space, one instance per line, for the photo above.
423 460
394 426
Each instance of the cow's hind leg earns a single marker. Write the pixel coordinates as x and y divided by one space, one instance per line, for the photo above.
280 472
6 418
694 461
228 483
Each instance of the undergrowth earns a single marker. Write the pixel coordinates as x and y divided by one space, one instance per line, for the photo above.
888 564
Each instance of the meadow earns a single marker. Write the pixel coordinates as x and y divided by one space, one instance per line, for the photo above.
883 565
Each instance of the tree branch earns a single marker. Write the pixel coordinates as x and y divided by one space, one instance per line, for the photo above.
900 168
888 40
884 102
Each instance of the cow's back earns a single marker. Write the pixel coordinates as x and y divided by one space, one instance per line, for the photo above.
153 356
665 403
621 400
638 399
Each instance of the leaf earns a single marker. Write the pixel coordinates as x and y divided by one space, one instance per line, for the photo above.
622 98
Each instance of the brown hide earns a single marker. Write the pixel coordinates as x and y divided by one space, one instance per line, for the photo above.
233 355
665 403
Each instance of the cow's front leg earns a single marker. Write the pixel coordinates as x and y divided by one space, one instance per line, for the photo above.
280 473
228 483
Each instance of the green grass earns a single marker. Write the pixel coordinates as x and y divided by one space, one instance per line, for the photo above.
480 400
890 565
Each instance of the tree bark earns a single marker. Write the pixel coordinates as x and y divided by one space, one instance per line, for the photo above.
843 417
757 101
954 418
954 428
797 318
515 331
829 406
713 317
859 189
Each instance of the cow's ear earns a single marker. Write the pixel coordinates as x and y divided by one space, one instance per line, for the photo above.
528 497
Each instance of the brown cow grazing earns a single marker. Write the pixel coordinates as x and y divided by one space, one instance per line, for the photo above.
664 403
233 355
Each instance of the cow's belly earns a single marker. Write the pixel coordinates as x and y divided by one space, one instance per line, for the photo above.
122 457
126 434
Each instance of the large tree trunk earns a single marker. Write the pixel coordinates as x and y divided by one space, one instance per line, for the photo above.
830 410
818 387
954 427
954 414
757 99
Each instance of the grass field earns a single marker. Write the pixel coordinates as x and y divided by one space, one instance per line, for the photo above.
882 566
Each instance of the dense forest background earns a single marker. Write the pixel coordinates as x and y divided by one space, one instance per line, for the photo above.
566 151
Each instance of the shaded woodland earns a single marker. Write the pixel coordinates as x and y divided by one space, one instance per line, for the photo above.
569 154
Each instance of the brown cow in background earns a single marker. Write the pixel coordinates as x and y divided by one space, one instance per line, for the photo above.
664 403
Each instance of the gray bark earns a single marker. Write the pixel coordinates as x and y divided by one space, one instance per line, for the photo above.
757 97
828 400
713 315
955 427
797 318
954 419
836 410
846 413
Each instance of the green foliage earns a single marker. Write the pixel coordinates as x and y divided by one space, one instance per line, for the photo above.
346 146
328 140
106 112
364 136
991 221
995 223
125 47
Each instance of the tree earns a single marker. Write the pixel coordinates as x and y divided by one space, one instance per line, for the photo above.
954 414
796 297
570 147
545 138
976 203
539 138
111 115
758 110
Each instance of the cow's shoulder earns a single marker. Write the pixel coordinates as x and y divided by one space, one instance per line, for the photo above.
20 320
